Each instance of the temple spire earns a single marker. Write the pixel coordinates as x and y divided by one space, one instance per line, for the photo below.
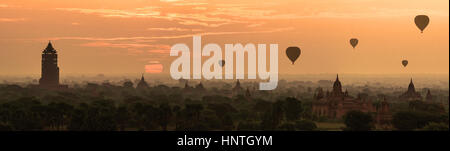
337 87
411 87
49 47
142 84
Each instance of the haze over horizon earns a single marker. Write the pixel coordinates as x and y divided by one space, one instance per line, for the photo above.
116 37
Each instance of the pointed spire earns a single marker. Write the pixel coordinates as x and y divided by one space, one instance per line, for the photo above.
429 97
49 47
142 84
238 84
411 87
337 77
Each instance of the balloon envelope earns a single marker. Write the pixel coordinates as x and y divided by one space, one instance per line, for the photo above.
222 63
293 53
405 63
354 42
421 22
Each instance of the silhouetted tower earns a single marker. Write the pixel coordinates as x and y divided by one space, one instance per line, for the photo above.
237 87
142 85
200 87
50 69
429 97
337 87
411 94
411 88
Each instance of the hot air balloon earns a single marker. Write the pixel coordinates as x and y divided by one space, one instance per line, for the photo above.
293 53
354 42
405 63
421 22
222 63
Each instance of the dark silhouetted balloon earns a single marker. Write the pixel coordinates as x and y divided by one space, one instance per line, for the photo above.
422 22
354 42
293 53
222 63
405 63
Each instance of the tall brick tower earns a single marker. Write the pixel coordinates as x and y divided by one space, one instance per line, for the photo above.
50 69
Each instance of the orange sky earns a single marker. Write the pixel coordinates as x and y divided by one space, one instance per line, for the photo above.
135 36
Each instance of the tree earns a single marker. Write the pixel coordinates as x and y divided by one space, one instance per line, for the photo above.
194 110
228 123
411 120
247 126
165 114
358 121
405 120
273 117
58 115
292 108
128 84
305 125
287 126
176 110
122 117
436 127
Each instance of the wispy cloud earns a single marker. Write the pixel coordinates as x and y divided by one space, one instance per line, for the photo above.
154 13
171 37
148 12
154 68
189 3
12 19
116 45
153 61
173 29
256 25
133 48
170 1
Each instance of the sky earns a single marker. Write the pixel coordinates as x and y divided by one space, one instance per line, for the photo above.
135 36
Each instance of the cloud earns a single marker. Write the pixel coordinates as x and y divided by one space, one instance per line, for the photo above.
12 19
133 48
154 68
197 18
116 45
153 62
256 25
200 8
147 12
136 48
189 4
173 29
160 51
167 37
170 1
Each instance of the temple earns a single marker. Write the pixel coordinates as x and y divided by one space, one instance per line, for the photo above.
383 118
429 97
411 94
50 70
142 85
237 89
336 104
